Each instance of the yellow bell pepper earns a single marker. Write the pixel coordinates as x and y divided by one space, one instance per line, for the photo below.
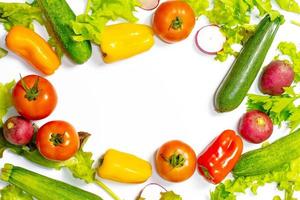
123 167
33 48
120 41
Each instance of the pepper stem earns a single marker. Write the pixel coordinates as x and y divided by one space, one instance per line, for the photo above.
33 92
176 23
177 160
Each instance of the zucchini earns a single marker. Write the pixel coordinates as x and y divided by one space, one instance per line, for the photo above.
42 187
59 17
268 158
244 70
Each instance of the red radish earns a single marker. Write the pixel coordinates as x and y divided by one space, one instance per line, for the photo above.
149 4
255 126
152 191
277 75
18 130
210 40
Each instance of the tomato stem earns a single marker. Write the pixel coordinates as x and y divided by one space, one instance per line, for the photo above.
57 139
31 93
177 160
176 23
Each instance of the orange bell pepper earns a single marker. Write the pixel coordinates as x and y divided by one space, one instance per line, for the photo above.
33 48
220 157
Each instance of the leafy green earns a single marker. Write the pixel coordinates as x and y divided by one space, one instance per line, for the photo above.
199 7
287 179
89 25
289 49
279 108
19 14
289 5
3 52
170 195
5 99
11 192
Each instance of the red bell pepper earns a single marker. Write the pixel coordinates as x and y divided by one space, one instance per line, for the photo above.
220 156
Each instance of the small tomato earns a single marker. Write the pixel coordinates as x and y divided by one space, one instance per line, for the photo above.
34 97
173 21
175 161
57 140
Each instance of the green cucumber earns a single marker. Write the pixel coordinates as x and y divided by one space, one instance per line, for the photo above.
270 157
244 70
42 187
59 17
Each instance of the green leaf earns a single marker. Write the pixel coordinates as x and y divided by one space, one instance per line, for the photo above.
170 195
5 99
11 192
199 7
289 5
24 14
89 25
3 52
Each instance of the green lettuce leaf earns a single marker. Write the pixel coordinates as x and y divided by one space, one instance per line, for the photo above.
3 52
170 195
199 7
19 14
11 192
287 179
5 99
289 5
89 25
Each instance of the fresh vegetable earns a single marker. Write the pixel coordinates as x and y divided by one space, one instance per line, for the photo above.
285 177
270 157
23 14
11 192
5 99
210 40
277 75
43 187
34 97
33 48
279 108
123 167
149 4
18 131
124 40
175 161
81 165
217 160
57 140
90 25
156 191
255 126
244 70
3 52
289 5
60 16
289 49
173 21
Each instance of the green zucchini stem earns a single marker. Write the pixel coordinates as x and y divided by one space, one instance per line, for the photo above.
109 191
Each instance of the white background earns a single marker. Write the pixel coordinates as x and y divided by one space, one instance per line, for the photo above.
138 104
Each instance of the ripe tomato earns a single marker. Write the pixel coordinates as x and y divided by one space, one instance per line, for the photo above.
34 97
175 161
173 21
57 140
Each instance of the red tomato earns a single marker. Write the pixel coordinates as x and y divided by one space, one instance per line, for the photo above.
57 140
34 97
175 161
173 21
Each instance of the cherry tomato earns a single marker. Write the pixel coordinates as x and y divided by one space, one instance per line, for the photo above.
175 161
57 140
34 97
173 21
